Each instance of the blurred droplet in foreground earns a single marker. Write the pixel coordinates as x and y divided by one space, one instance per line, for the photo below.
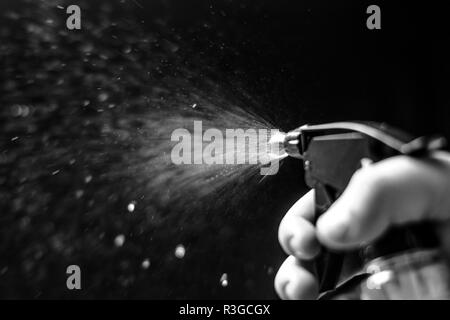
119 240
224 280
145 264
79 194
180 251
131 206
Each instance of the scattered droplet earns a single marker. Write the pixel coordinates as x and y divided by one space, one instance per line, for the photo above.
16 110
14 138
102 97
25 111
127 50
224 280
87 179
180 251
145 264
169 46
24 222
79 193
60 7
194 106
3 270
55 172
87 48
20 110
131 206
119 240
86 103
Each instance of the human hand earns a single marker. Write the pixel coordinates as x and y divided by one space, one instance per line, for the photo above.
394 191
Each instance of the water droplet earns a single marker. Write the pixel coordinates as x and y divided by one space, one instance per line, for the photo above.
145 264
127 50
87 179
102 97
79 193
131 206
3 270
194 106
14 138
169 46
55 172
25 222
87 48
224 280
86 103
20 110
16 110
180 251
25 111
119 240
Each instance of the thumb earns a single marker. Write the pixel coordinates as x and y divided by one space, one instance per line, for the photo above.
391 192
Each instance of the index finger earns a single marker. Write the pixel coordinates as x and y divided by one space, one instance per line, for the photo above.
297 233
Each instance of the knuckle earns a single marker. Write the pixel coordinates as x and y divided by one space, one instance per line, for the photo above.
371 178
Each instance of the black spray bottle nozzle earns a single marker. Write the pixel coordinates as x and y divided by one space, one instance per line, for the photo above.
287 143
295 142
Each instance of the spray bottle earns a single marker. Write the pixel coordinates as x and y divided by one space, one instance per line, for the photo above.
406 262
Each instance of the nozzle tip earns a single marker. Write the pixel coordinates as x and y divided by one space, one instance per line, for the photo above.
291 144
286 143
277 137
